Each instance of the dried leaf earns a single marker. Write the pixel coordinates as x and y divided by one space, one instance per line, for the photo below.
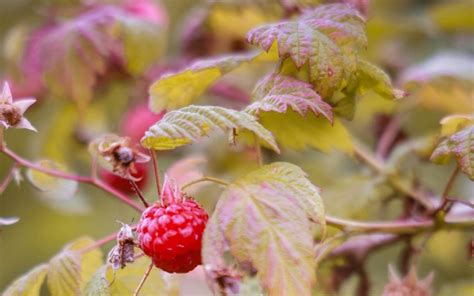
267 220
183 126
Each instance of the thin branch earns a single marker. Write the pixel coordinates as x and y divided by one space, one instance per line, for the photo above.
142 282
396 227
258 150
139 193
156 171
388 137
447 188
9 177
379 167
82 179
100 243
205 179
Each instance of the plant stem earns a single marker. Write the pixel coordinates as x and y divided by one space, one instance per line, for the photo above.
258 150
100 242
4 184
449 185
379 167
139 193
156 172
142 282
388 137
82 179
397 227
205 179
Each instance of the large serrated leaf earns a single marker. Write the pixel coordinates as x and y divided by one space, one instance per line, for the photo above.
461 146
179 89
268 219
183 126
326 38
277 93
293 131
70 270
106 282
28 284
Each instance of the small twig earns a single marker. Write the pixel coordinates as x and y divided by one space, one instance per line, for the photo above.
379 167
156 172
205 179
139 193
463 202
447 188
82 179
100 243
388 137
142 282
9 177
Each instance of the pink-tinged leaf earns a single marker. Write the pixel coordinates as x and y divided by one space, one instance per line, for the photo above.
268 220
461 146
277 93
326 38
88 46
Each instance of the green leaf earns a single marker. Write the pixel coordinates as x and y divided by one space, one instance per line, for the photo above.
124 281
189 124
293 131
371 77
277 93
55 188
326 38
461 146
70 270
268 219
28 284
179 89
454 123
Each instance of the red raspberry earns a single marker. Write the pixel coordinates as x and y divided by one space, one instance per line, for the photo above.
171 234
122 184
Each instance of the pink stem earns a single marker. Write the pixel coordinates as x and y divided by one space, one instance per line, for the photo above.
82 179
4 184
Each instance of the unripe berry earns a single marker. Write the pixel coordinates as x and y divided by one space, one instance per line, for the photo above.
122 184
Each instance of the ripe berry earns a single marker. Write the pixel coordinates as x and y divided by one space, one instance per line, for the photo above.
137 121
123 184
171 234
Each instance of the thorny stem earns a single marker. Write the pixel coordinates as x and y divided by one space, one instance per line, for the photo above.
142 282
449 185
156 171
205 179
4 184
82 179
379 167
397 227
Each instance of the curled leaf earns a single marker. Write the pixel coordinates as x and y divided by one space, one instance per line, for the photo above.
184 126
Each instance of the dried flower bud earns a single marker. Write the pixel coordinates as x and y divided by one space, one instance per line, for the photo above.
124 251
409 285
225 281
120 154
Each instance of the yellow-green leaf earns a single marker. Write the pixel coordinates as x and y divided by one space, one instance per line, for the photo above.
454 123
183 126
371 77
124 281
180 89
70 270
54 187
291 130
269 218
28 284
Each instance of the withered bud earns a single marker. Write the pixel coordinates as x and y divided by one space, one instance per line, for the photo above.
124 251
10 114
225 280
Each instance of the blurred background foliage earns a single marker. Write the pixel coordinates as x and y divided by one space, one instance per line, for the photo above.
425 45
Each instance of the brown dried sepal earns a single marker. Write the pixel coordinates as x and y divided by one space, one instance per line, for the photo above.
124 251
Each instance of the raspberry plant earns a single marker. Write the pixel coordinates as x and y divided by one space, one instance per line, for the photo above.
324 163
